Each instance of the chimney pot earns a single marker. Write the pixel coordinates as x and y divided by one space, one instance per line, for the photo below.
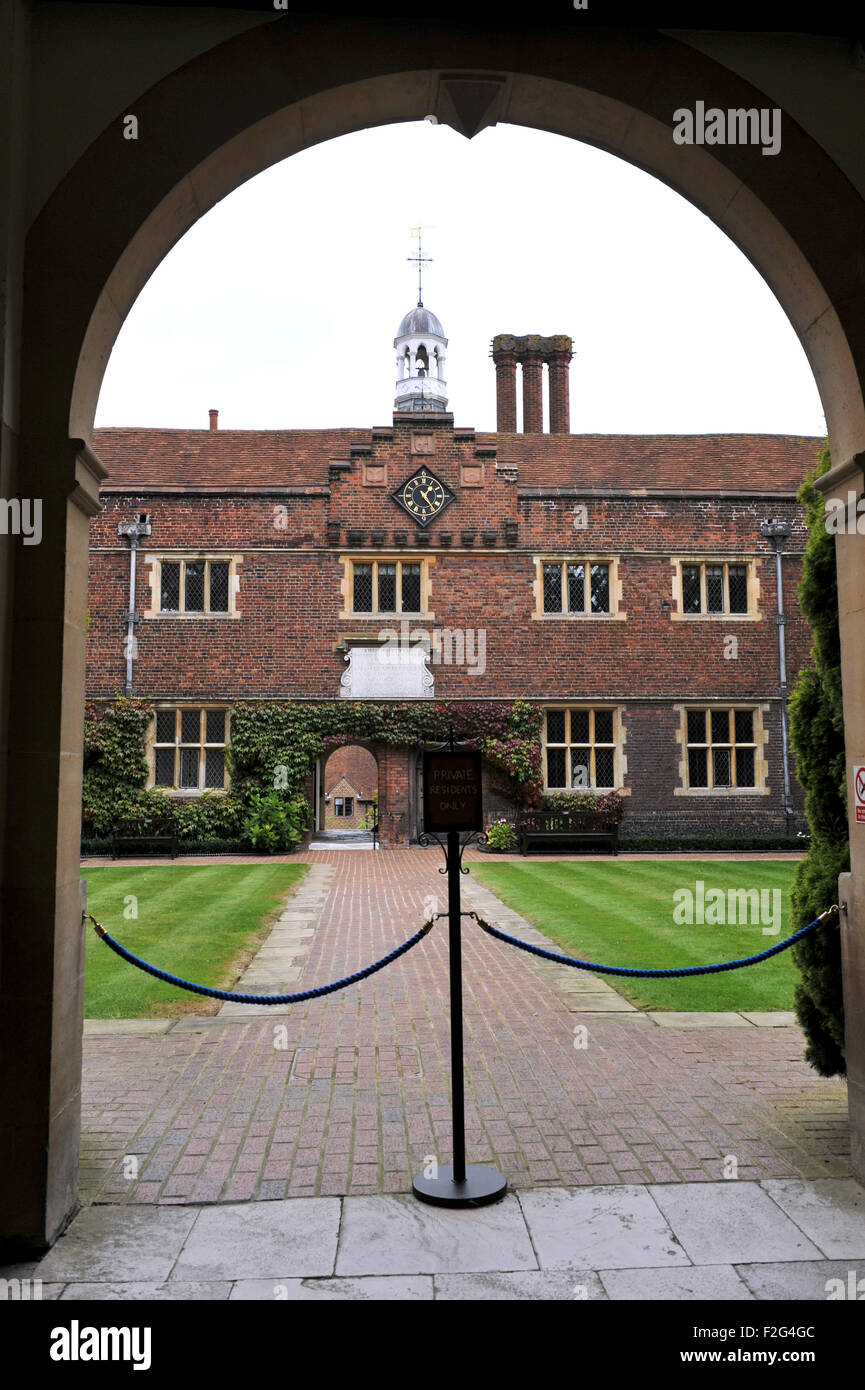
214 419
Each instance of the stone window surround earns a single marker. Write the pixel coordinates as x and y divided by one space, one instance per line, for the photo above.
752 565
154 578
185 793
616 613
761 738
620 735
397 558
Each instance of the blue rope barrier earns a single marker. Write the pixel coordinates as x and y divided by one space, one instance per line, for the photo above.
654 974
259 998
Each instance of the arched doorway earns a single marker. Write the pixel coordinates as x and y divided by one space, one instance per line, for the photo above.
348 794
246 103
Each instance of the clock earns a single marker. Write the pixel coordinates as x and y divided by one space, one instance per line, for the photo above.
423 496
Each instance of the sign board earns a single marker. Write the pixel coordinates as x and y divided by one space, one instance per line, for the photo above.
452 797
859 793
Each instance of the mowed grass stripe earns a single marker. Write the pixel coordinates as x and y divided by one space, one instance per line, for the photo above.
202 923
617 913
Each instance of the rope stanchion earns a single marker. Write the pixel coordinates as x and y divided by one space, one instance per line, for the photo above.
265 999
714 969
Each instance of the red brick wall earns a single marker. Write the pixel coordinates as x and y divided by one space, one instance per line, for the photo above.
285 643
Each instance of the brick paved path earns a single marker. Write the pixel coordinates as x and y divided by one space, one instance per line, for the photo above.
349 1094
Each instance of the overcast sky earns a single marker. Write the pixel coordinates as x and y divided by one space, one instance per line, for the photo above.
279 308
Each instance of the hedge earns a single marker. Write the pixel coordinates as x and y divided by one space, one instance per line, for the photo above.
817 740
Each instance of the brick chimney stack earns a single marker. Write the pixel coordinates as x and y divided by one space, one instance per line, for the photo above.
506 388
559 363
533 391
532 351
214 419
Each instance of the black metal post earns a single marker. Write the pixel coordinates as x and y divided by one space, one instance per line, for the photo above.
456 974
455 1184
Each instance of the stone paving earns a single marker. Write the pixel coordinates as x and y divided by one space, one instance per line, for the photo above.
348 1095
737 1241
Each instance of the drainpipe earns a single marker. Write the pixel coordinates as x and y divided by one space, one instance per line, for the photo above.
777 532
133 531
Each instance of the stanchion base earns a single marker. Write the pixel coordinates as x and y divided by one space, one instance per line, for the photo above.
482 1185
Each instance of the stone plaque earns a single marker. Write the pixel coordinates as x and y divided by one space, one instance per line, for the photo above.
392 671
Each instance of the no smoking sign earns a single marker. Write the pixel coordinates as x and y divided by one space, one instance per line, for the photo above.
859 792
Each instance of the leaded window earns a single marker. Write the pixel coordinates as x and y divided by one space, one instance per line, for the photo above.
580 748
721 748
194 586
189 749
386 586
573 586
714 587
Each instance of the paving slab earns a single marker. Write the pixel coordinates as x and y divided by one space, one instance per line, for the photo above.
697 1020
193 1024
586 1003
117 1027
540 1285
599 1228
400 1235
731 1223
805 1281
122 1244
255 1240
831 1211
777 1018
380 1288
178 1290
704 1282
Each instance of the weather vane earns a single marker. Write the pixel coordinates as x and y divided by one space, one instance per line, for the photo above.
420 260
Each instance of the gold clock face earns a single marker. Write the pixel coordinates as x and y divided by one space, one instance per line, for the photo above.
423 496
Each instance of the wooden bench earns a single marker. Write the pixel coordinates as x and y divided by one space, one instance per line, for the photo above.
573 827
137 841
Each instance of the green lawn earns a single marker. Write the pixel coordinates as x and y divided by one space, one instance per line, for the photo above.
200 922
622 914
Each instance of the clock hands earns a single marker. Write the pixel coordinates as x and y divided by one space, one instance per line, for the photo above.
423 496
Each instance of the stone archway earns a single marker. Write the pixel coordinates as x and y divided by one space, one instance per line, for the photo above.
209 125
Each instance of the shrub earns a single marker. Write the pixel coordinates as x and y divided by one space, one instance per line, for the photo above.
569 803
817 739
501 835
115 769
274 823
208 817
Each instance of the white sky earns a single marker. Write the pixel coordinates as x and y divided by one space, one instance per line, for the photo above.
280 306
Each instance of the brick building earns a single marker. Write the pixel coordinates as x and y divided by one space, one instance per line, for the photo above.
350 788
626 584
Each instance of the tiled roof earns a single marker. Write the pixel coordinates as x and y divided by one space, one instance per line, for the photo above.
291 458
734 462
221 457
